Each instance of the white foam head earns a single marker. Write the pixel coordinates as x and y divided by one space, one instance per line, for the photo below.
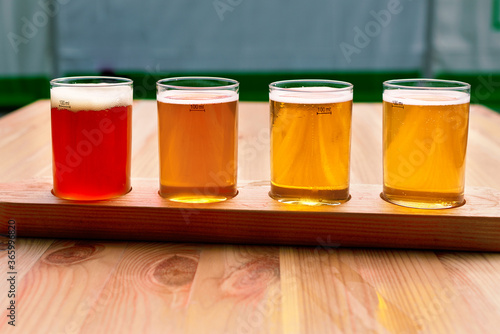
93 97
424 97
197 96
311 95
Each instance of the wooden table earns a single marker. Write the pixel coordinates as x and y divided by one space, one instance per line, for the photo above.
76 286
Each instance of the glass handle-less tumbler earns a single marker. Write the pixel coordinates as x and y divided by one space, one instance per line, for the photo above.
91 121
425 127
198 138
310 141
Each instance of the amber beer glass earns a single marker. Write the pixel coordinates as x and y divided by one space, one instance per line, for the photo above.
91 137
425 127
198 133
310 141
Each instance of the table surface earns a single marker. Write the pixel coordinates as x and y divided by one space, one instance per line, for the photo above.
83 286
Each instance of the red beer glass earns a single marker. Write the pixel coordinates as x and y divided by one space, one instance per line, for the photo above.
91 121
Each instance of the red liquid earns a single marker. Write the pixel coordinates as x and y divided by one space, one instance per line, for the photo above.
91 152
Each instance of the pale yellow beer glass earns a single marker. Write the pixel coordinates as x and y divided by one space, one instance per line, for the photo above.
310 141
198 133
425 128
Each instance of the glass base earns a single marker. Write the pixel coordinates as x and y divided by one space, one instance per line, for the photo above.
197 194
421 204
309 196
195 200
307 201
88 198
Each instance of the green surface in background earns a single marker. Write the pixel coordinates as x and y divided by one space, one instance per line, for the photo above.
17 92
255 86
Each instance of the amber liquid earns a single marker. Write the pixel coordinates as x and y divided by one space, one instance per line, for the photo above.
424 154
310 152
91 152
198 149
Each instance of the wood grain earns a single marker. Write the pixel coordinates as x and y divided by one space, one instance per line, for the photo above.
236 290
252 217
413 300
473 282
27 253
148 291
60 290
328 286
379 291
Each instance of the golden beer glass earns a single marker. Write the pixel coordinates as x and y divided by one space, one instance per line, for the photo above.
425 128
198 133
310 141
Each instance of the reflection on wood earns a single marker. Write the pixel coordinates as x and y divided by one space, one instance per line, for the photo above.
359 291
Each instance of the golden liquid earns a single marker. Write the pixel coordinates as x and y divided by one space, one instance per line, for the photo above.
310 152
424 153
198 150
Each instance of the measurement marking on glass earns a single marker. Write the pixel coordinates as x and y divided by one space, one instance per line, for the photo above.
324 110
64 104
397 104
197 107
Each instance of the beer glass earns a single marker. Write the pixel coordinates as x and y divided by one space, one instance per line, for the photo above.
310 141
198 136
91 121
425 127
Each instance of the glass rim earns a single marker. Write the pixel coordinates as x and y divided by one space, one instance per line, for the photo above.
112 81
447 84
164 83
274 85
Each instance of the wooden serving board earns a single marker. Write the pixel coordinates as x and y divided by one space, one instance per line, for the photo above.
252 217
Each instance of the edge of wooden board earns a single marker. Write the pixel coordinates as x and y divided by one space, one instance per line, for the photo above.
254 218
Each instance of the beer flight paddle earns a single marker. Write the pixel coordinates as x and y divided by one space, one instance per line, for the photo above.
425 128
252 216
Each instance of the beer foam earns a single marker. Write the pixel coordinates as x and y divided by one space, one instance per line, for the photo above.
424 97
313 95
197 96
93 97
